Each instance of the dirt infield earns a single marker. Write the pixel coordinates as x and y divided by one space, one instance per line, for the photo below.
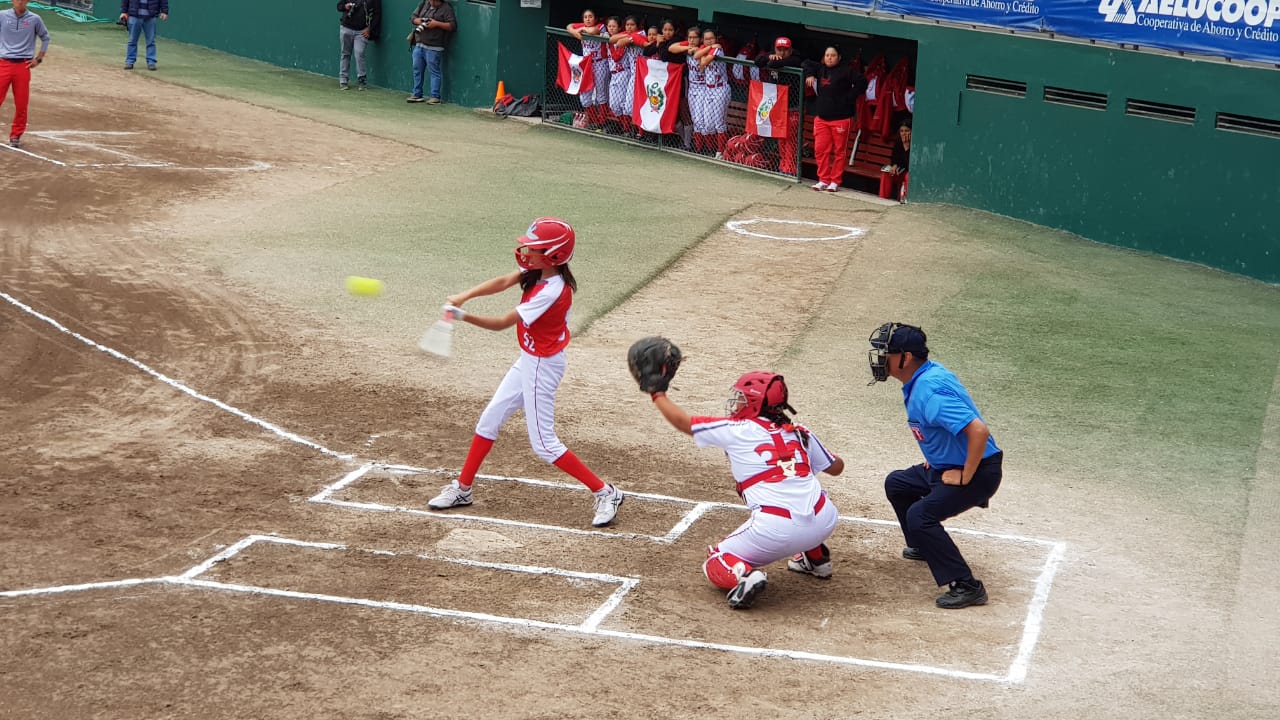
158 413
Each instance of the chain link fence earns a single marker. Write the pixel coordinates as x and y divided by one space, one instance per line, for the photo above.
708 118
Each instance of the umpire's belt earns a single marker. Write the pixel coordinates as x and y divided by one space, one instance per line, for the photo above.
783 512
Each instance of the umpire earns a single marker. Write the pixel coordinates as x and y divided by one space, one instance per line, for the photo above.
962 462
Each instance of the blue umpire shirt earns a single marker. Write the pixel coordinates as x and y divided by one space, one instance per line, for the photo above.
938 409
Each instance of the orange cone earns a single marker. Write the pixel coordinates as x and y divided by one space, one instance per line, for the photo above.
502 92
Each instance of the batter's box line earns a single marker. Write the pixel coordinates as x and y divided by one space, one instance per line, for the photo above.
589 627
698 510
59 136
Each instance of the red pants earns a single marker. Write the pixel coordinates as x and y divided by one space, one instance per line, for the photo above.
18 75
894 186
831 146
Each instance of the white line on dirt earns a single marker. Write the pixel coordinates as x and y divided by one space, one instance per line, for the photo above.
270 427
77 588
742 228
1035 614
34 155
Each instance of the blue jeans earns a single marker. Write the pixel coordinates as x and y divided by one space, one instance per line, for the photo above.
425 61
139 26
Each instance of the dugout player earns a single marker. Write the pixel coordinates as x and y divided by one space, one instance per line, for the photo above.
19 29
962 467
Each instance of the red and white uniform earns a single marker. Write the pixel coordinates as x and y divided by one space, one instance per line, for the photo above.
622 68
542 329
776 475
709 96
598 51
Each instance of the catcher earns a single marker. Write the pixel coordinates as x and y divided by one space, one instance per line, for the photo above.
775 464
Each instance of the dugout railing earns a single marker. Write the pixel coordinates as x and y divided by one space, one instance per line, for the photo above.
711 121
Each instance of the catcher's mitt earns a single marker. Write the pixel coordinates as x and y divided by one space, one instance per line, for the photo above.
653 362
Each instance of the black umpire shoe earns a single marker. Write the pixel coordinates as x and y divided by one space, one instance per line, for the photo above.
911 553
963 594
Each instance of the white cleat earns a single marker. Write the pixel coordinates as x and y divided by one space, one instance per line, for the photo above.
451 496
608 500
749 587
801 564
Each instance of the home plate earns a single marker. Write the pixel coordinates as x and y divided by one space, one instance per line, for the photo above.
472 540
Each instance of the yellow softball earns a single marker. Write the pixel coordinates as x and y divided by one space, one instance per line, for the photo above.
363 286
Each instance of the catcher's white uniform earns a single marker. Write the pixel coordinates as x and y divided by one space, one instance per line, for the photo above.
776 475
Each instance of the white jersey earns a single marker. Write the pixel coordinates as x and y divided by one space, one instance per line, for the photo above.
771 464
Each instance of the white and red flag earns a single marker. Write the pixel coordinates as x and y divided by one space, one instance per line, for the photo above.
767 109
657 95
575 75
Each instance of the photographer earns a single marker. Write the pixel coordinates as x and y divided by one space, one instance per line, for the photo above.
434 22
360 24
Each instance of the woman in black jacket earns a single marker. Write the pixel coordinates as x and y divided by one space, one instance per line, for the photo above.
837 87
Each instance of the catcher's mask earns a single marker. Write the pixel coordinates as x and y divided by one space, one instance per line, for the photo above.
894 338
552 236
756 392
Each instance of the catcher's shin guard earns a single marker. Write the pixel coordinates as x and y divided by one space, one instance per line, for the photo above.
725 570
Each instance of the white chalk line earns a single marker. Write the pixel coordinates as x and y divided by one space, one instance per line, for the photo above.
740 227
34 155
1035 614
700 507
270 427
60 136
589 627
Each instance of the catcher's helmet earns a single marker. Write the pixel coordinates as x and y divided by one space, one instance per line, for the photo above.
892 338
755 393
552 236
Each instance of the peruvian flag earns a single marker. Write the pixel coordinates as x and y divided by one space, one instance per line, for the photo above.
767 109
575 74
657 95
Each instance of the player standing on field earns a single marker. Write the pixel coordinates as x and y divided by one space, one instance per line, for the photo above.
775 464
962 464
542 331
19 29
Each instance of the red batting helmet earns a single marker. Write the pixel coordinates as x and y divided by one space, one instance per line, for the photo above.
757 392
553 236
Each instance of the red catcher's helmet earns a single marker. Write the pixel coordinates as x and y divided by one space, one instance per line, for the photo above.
756 392
553 236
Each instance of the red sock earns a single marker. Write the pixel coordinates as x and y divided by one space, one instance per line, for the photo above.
570 463
479 448
721 139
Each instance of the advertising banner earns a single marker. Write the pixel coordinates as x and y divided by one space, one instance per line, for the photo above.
1020 14
1240 29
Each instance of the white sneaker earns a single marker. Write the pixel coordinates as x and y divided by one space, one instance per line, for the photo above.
451 496
820 185
832 187
801 564
608 500
749 587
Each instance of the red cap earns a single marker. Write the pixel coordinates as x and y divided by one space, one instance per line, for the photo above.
782 42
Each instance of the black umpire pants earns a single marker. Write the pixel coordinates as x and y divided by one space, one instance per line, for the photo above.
922 503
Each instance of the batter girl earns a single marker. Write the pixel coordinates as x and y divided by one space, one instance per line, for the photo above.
541 320
775 464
